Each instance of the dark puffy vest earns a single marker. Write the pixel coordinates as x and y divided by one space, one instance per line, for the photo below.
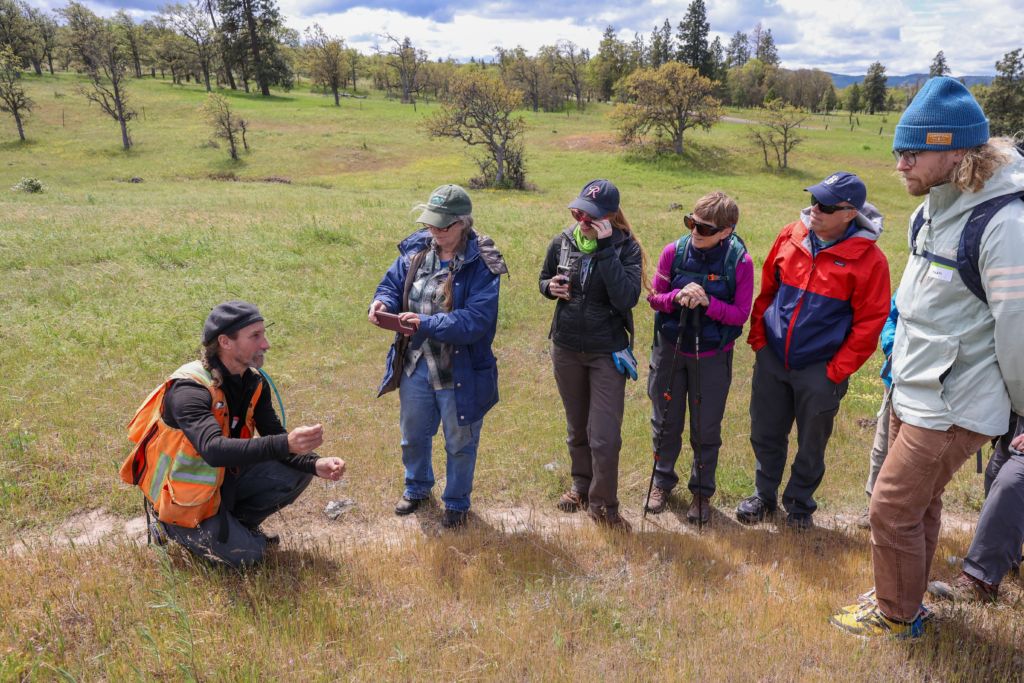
715 271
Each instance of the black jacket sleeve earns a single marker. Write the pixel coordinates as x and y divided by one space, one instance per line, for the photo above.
621 275
550 267
267 424
188 407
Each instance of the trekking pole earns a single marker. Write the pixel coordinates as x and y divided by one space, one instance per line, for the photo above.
698 459
668 402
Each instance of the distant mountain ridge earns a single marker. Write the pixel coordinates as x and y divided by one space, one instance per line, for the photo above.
844 81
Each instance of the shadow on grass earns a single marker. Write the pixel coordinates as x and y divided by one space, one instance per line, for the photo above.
956 650
706 157
790 173
17 145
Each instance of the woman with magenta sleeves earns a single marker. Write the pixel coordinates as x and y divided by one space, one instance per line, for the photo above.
709 267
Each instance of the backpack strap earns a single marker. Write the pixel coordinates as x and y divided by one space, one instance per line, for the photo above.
969 250
919 222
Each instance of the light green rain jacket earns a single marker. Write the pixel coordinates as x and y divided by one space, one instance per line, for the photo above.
956 359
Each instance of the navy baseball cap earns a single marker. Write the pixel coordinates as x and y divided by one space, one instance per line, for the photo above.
840 187
598 198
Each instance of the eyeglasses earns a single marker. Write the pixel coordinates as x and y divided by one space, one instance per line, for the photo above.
434 227
581 217
908 155
830 209
703 229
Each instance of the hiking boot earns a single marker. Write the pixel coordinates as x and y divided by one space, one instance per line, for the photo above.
863 521
611 519
700 505
572 501
753 510
407 506
964 588
869 621
657 500
799 521
269 539
453 519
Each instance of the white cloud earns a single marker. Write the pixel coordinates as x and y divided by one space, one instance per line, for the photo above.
841 36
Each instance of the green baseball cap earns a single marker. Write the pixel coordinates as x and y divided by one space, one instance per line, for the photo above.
445 205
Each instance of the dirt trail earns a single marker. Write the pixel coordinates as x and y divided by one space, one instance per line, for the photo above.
306 525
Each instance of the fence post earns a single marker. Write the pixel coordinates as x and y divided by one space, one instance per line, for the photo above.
880 130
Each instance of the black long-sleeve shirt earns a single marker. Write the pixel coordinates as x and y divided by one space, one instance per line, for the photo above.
188 406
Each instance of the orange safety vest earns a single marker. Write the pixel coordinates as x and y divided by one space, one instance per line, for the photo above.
183 489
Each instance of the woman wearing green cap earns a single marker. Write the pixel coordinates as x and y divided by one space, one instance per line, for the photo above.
594 269
444 285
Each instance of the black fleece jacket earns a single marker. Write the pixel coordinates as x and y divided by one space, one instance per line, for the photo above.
598 315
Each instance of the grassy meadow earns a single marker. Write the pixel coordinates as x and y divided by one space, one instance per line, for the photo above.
104 286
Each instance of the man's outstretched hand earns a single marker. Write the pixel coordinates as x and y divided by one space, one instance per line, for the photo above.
330 468
305 439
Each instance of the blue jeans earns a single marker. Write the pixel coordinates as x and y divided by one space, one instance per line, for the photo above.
422 410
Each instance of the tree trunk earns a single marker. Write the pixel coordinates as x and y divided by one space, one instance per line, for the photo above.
206 75
231 141
499 158
37 64
678 142
17 119
138 67
49 58
337 101
255 41
231 76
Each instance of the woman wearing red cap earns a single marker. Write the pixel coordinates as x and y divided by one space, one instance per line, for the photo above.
594 269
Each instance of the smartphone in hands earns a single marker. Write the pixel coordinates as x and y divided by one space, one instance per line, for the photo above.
564 273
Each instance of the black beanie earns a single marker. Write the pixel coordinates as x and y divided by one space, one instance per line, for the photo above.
229 317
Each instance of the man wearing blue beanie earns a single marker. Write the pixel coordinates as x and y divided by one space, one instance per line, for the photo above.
957 368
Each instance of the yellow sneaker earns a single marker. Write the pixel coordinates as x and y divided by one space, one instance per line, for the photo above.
870 621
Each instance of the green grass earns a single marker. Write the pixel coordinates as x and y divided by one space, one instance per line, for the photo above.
104 285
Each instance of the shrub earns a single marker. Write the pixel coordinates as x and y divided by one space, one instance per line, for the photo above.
30 185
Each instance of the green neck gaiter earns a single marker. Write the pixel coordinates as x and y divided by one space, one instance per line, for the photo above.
586 245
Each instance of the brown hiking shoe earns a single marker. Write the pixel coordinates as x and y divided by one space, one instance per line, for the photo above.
704 503
613 520
572 501
964 588
657 500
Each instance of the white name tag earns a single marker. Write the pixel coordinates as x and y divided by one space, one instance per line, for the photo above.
944 273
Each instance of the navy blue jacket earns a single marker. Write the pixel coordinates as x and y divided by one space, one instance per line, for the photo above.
469 328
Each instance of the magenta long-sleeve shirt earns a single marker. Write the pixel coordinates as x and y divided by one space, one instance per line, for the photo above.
735 313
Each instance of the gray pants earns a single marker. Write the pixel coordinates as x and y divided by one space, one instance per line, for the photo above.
715 380
880 448
260 491
778 397
997 541
593 394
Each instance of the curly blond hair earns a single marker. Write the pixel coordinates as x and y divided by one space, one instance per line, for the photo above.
980 163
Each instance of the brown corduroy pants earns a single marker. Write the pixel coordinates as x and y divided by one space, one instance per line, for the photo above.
906 510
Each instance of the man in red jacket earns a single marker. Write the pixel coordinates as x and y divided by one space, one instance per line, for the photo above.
824 299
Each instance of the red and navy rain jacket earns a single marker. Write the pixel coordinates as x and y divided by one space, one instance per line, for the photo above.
830 307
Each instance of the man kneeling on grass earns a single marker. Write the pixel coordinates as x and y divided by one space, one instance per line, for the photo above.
210 483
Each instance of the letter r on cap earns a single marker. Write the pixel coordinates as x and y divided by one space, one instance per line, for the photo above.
593 191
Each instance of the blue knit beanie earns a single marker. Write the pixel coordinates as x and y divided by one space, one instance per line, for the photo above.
944 115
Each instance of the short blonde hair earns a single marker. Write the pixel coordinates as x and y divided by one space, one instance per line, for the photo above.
719 208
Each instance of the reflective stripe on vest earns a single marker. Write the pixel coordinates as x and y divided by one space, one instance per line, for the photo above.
182 487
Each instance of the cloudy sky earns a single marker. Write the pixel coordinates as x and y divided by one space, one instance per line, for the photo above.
840 36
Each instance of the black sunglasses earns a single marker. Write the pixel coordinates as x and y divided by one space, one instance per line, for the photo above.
908 155
703 229
830 209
